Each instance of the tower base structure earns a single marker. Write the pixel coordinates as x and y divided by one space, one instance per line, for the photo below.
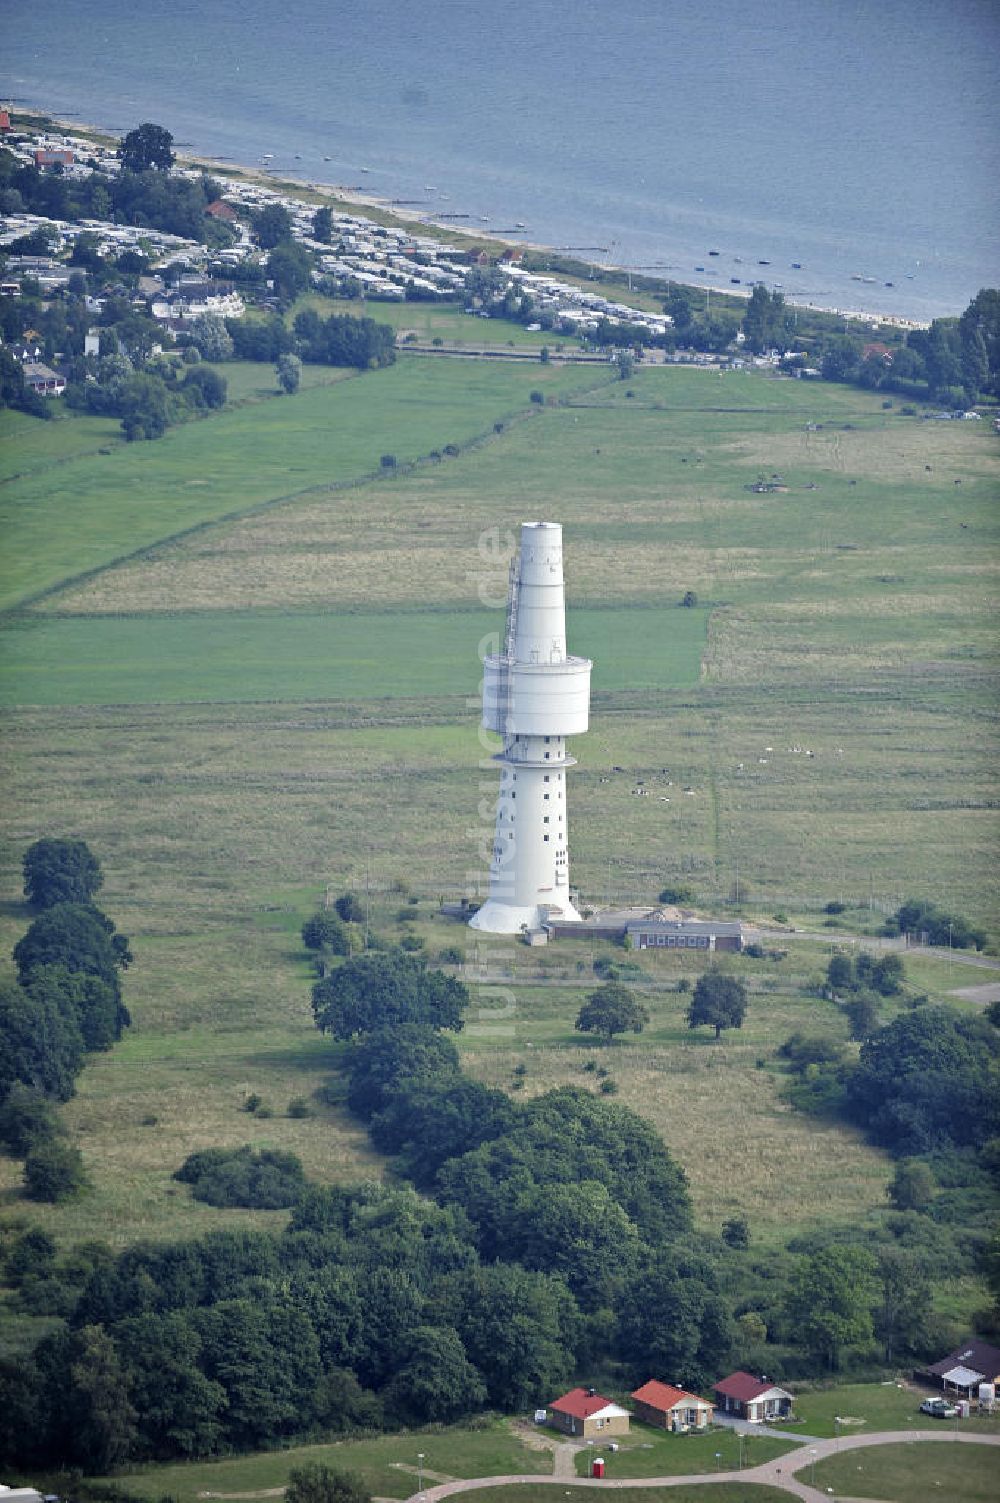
496 917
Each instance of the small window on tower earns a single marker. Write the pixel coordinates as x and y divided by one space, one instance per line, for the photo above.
545 819
545 838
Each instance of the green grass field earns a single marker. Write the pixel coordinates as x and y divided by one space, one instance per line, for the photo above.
271 655
872 1407
646 1452
236 717
388 1464
444 321
88 511
719 1492
929 1469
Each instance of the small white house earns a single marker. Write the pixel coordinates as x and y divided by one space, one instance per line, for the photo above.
753 1399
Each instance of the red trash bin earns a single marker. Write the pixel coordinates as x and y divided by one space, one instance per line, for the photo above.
597 1467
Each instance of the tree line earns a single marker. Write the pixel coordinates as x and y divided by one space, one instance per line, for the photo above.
340 339
66 1003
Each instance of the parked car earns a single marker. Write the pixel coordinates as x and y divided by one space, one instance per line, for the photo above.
938 1409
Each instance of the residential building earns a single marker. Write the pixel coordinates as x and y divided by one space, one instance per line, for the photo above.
753 1399
48 158
584 1412
964 1369
43 380
671 1408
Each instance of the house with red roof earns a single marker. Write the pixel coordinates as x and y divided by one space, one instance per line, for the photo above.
47 158
754 1399
585 1412
219 209
671 1408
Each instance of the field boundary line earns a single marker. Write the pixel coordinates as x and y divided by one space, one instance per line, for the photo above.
332 487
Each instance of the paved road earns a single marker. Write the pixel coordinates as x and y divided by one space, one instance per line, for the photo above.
781 1473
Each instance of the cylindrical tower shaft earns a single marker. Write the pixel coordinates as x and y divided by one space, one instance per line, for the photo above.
534 695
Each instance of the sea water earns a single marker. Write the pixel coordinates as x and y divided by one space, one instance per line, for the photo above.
854 137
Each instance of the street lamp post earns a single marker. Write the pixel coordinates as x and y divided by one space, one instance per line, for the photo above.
420 1471
718 1461
813 1476
836 1424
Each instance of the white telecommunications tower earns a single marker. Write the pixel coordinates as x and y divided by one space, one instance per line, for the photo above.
534 695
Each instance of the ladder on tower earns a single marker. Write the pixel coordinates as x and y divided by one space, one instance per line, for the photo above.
510 634
513 590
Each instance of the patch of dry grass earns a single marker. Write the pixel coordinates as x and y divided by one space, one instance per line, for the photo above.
744 1151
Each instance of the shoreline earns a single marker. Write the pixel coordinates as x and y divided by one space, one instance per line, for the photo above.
355 197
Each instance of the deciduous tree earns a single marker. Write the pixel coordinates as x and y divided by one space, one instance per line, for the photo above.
179 1410
379 990
903 1302
27 1118
289 371
612 1009
719 1000
76 936
519 1328
928 1080
40 1042
672 1319
211 338
387 1057
912 1186
60 871
436 1382
146 147
322 225
53 1172
289 266
271 225
829 1303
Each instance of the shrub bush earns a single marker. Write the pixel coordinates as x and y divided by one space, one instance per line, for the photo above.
53 1172
27 1119
266 1180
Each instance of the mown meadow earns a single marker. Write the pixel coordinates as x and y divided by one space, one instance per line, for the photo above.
248 676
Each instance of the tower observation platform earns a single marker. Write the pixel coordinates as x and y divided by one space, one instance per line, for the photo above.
535 695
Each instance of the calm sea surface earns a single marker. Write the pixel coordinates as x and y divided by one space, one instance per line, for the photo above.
856 137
